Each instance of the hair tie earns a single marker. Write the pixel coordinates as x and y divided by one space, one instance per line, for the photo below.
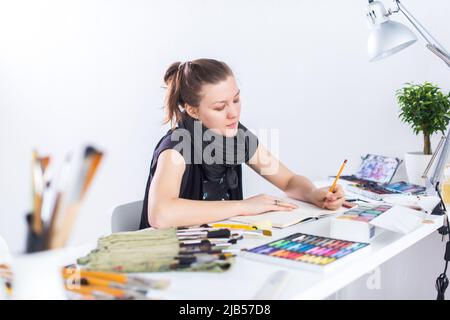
183 64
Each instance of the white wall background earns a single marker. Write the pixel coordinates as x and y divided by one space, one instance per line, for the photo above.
77 72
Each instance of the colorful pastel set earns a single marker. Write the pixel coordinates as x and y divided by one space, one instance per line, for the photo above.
308 249
355 224
364 213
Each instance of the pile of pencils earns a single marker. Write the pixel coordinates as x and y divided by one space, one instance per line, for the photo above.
57 198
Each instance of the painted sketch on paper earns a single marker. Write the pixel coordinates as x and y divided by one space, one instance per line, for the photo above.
378 168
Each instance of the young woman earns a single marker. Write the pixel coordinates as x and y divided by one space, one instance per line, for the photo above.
197 164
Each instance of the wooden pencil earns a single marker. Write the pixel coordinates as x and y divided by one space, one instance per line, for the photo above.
337 177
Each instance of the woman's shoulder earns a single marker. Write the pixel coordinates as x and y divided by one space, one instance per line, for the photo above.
174 140
166 141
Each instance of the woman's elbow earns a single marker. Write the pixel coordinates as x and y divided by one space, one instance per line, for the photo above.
157 218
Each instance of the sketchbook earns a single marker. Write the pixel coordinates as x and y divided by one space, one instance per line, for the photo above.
282 219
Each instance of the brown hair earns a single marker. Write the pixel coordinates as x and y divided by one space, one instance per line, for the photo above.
184 84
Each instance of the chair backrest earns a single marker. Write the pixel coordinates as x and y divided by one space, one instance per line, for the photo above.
126 217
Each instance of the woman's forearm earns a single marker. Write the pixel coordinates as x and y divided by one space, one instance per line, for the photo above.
300 188
183 212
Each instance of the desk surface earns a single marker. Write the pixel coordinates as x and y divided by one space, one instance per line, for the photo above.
246 277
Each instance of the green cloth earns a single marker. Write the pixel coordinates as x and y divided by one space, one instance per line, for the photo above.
148 250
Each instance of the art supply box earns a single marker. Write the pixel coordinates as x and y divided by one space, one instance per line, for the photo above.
309 252
354 225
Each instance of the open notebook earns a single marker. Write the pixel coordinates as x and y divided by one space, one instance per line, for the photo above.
282 219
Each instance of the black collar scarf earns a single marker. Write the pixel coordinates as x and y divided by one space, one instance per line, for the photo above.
219 155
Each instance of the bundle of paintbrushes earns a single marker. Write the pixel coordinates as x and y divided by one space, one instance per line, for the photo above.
156 250
57 198
85 284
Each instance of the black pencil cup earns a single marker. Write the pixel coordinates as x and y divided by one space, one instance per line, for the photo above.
35 242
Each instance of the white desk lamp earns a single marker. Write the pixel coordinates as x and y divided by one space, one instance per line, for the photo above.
389 37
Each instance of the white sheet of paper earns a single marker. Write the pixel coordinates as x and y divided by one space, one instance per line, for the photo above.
399 219
427 203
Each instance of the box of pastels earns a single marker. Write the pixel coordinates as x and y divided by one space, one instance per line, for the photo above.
354 224
309 252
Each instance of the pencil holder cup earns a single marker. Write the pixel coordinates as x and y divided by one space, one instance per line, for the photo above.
34 242
37 273
38 276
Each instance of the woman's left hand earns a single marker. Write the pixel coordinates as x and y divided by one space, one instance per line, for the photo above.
322 198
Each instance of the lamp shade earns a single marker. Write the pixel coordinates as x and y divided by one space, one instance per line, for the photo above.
388 38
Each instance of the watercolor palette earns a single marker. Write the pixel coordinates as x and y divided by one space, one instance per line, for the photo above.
307 251
405 188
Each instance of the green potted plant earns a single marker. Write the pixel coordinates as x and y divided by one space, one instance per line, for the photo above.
427 110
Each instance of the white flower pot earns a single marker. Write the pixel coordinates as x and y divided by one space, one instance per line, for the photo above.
416 163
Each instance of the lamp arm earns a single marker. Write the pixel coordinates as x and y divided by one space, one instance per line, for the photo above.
435 47
431 182
442 159
438 52
433 157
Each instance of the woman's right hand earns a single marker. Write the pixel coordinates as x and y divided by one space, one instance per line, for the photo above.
263 203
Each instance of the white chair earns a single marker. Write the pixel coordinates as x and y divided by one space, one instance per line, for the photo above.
126 217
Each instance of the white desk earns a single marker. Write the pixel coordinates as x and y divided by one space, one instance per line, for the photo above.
246 277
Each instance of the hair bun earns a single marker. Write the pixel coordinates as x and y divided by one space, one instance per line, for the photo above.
171 72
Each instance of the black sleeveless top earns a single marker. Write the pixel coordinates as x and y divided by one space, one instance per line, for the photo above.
194 185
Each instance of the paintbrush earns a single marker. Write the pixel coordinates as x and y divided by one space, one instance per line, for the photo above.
234 226
211 241
55 207
201 257
89 166
266 233
92 281
220 233
37 190
122 278
85 288
204 246
96 157
219 226
232 239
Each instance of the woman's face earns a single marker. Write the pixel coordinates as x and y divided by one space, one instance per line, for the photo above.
220 107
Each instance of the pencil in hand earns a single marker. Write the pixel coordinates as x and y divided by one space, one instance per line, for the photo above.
333 186
337 177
